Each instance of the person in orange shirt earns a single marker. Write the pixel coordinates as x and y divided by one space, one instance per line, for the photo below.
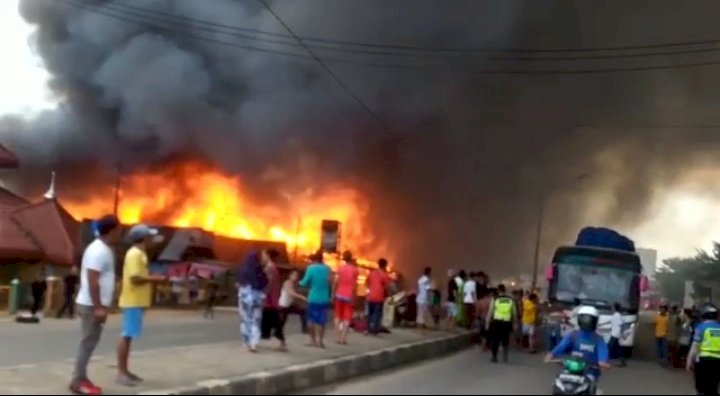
661 332
345 292
377 284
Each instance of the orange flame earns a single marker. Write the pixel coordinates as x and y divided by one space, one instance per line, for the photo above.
195 195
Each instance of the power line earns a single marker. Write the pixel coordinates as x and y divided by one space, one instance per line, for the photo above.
424 68
183 32
322 64
305 39
392 50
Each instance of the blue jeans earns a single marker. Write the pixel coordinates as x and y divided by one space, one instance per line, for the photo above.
375 314
661 348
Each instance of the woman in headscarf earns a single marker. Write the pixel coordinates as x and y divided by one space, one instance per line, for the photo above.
251 283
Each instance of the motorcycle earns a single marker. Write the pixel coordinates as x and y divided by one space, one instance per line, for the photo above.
574 378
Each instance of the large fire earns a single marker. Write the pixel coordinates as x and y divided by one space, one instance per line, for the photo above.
195 195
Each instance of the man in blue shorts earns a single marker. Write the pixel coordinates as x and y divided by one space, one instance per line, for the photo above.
318 281
135 297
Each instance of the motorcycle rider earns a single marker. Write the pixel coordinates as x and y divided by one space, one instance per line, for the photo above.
704 356
585 342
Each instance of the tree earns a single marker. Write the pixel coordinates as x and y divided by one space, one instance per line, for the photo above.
703 267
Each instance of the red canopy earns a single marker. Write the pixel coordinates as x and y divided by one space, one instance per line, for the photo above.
201 270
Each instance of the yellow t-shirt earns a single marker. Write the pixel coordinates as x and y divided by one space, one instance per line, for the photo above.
661 325
529 312
133 295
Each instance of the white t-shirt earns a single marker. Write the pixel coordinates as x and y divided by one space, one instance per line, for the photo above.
99 257
470 291
616 324
422 292
286 299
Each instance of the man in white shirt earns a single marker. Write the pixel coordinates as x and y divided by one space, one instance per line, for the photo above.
616 325
97 291
470 299
422 300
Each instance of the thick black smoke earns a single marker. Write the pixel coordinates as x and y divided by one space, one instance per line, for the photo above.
454 160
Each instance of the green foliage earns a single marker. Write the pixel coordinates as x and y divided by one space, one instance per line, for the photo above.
702 267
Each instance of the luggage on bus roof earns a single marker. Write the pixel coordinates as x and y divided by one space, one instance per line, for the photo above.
605 238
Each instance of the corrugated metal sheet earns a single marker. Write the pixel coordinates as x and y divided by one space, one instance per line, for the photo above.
236 250
185 241
51 228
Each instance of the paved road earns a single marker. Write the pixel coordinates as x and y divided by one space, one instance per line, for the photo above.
55 340
470 372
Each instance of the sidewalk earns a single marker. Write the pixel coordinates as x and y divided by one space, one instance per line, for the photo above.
229 369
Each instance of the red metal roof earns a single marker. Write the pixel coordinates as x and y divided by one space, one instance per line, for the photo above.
10 201
7 158
52 228
15 244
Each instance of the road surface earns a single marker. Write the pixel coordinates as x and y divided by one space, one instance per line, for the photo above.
57 339
470 372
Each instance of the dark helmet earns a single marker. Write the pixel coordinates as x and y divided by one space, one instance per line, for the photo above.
587 318
709 312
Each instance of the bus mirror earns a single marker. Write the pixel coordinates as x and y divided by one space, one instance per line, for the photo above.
549 272
644 284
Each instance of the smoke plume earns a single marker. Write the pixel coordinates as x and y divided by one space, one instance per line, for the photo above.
454 159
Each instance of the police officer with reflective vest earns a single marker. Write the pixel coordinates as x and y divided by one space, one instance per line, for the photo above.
501 317
704 356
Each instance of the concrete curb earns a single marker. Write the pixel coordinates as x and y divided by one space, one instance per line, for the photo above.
323 372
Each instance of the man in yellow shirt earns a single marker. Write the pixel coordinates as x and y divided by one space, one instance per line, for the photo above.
661 332
529 319
135 296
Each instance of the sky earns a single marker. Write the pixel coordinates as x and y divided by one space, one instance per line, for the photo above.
680 225
22 76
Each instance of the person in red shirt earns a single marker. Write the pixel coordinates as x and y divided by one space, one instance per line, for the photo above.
271 320
377 284
345 291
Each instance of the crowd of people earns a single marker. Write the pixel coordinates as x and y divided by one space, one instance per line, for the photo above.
265 299
674 332
471 303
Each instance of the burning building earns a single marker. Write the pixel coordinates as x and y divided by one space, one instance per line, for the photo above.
193 195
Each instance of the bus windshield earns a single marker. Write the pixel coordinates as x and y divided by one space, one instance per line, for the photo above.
596 284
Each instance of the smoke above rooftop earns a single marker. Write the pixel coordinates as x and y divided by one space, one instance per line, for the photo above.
466 116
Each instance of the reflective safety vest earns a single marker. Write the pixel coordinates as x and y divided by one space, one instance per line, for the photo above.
710 345
503 309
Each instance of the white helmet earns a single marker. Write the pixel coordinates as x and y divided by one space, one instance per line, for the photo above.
588 310
587 318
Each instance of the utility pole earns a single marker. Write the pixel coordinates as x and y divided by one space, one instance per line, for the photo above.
538 237
538 231
297 236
